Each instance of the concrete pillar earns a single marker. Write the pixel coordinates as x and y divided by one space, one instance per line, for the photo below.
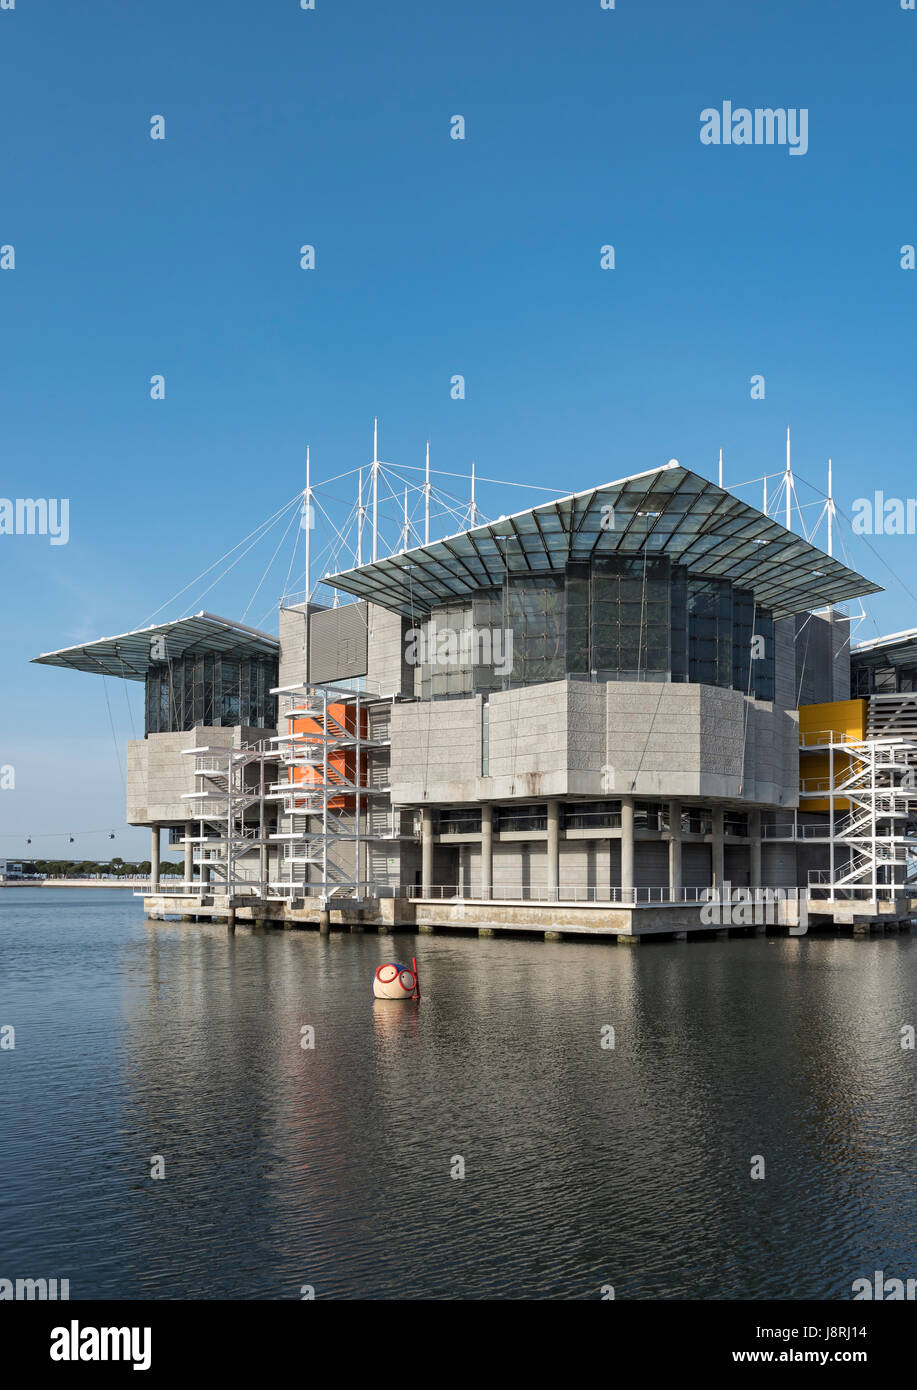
155 833
754 849
426 840
627 844
487 850
553 876
674 845
189 855
324 922
717 851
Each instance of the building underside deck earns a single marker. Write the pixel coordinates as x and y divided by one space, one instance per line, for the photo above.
541 918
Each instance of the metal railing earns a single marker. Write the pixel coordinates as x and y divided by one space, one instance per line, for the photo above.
789 831
628 897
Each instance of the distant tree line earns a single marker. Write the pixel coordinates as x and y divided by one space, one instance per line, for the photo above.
90 868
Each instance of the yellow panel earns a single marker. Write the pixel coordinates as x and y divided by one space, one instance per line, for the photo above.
844 719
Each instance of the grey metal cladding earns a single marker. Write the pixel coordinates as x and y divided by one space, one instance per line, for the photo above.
337 643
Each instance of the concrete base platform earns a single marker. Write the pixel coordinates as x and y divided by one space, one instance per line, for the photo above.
551 921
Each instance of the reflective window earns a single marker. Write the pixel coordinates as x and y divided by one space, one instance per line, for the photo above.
521 819
207 689
630 618
614 618
535 617
592 815
763 664
460 821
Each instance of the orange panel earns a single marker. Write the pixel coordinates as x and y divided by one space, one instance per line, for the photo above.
342 761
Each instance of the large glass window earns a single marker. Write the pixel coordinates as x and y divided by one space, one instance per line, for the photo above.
709 631
535 617
630 619
592 815
614 618
460 821
578 619
521 819
763 663
206 689
743 621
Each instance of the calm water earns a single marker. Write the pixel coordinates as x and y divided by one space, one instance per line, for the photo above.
331 1167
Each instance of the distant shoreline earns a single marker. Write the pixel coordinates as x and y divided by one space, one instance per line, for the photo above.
77 883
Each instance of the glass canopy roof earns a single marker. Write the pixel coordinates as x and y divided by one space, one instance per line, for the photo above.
898 648
131 654
667 511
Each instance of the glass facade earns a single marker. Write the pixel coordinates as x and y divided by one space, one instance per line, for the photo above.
520 820
210 689
623 618
592 815
866 680
460 821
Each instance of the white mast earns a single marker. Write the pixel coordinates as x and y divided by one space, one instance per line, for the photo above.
474 508
830 512
721 468
375 485
308 521
360 512
789 484
406 528
426 495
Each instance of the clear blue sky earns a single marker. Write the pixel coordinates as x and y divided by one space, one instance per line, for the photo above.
434 257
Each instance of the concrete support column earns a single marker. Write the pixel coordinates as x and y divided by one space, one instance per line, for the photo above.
426 841
155 833
263 868
754 849
553 876
718 852
487 850
674 845
627 843
188 874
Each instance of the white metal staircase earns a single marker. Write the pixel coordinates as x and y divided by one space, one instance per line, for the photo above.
875 780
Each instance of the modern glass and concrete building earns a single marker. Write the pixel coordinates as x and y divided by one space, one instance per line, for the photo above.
596 701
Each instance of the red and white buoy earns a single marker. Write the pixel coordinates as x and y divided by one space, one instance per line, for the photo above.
394 981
